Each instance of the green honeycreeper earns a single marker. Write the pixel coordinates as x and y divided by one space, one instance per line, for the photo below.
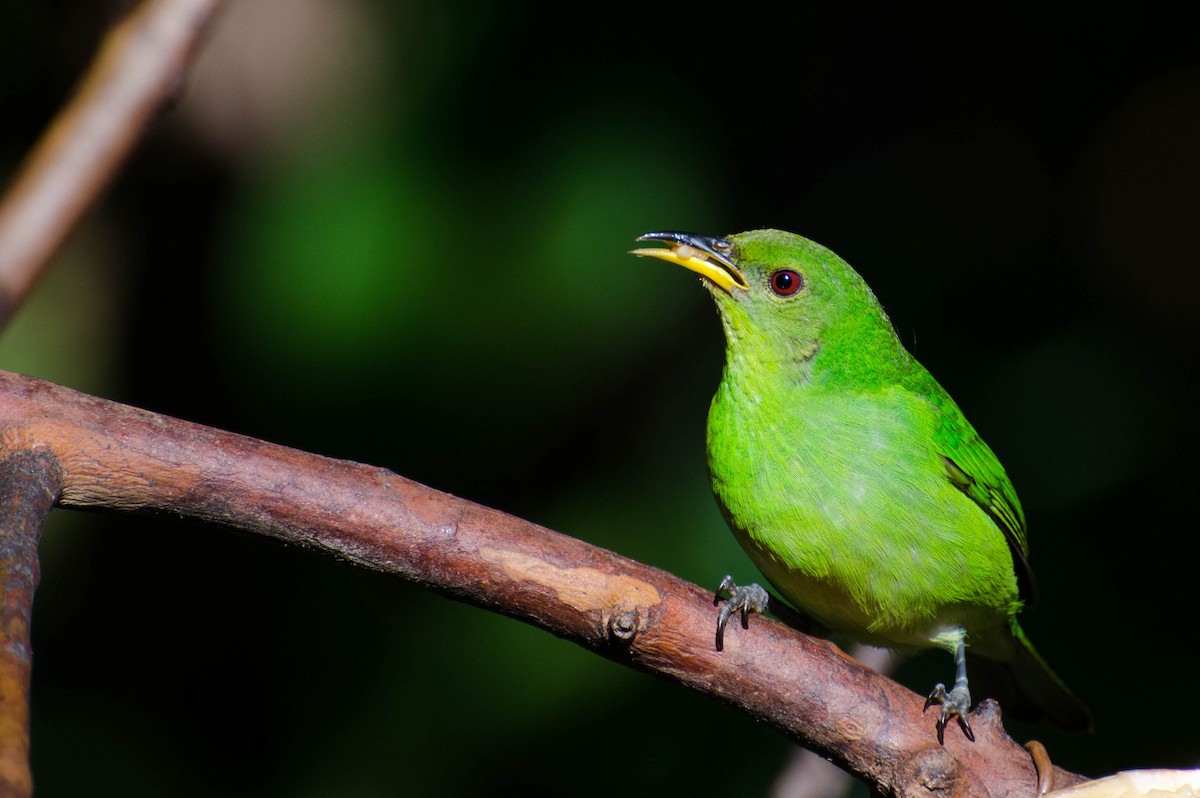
850 476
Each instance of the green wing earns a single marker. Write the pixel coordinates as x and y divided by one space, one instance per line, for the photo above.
974 469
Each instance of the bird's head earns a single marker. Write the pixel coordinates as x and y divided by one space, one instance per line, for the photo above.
774 289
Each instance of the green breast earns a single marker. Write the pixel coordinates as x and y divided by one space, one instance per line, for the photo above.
842 500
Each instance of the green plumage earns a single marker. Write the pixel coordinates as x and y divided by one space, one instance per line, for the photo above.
849 475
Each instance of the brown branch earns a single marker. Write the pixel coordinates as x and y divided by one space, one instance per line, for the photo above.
119 457
138 69
30 480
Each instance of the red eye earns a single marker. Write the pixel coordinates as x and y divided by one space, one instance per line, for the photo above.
786 282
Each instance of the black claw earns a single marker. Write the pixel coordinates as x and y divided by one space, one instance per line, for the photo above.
722 619
724 590
966 727
937 695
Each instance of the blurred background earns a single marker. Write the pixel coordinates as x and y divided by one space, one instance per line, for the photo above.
395 232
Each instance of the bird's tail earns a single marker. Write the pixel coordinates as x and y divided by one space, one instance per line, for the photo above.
1042 693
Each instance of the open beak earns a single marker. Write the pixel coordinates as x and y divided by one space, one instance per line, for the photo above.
705 255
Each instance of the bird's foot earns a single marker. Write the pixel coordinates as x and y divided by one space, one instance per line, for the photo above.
956 703
738 598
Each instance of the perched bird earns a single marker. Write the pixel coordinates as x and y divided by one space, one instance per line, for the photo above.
850 476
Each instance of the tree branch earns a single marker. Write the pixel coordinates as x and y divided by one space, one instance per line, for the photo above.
118 457
138 69
30 480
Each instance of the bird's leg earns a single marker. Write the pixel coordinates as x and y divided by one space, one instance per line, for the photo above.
957 702
745 598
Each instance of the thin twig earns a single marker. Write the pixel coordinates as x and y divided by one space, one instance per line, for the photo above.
138 69
30 481
118 457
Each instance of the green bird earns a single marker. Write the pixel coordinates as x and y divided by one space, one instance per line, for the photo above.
850 476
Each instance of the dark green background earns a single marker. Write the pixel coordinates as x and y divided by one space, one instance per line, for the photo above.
421 264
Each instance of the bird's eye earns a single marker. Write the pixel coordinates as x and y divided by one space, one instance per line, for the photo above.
786 282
